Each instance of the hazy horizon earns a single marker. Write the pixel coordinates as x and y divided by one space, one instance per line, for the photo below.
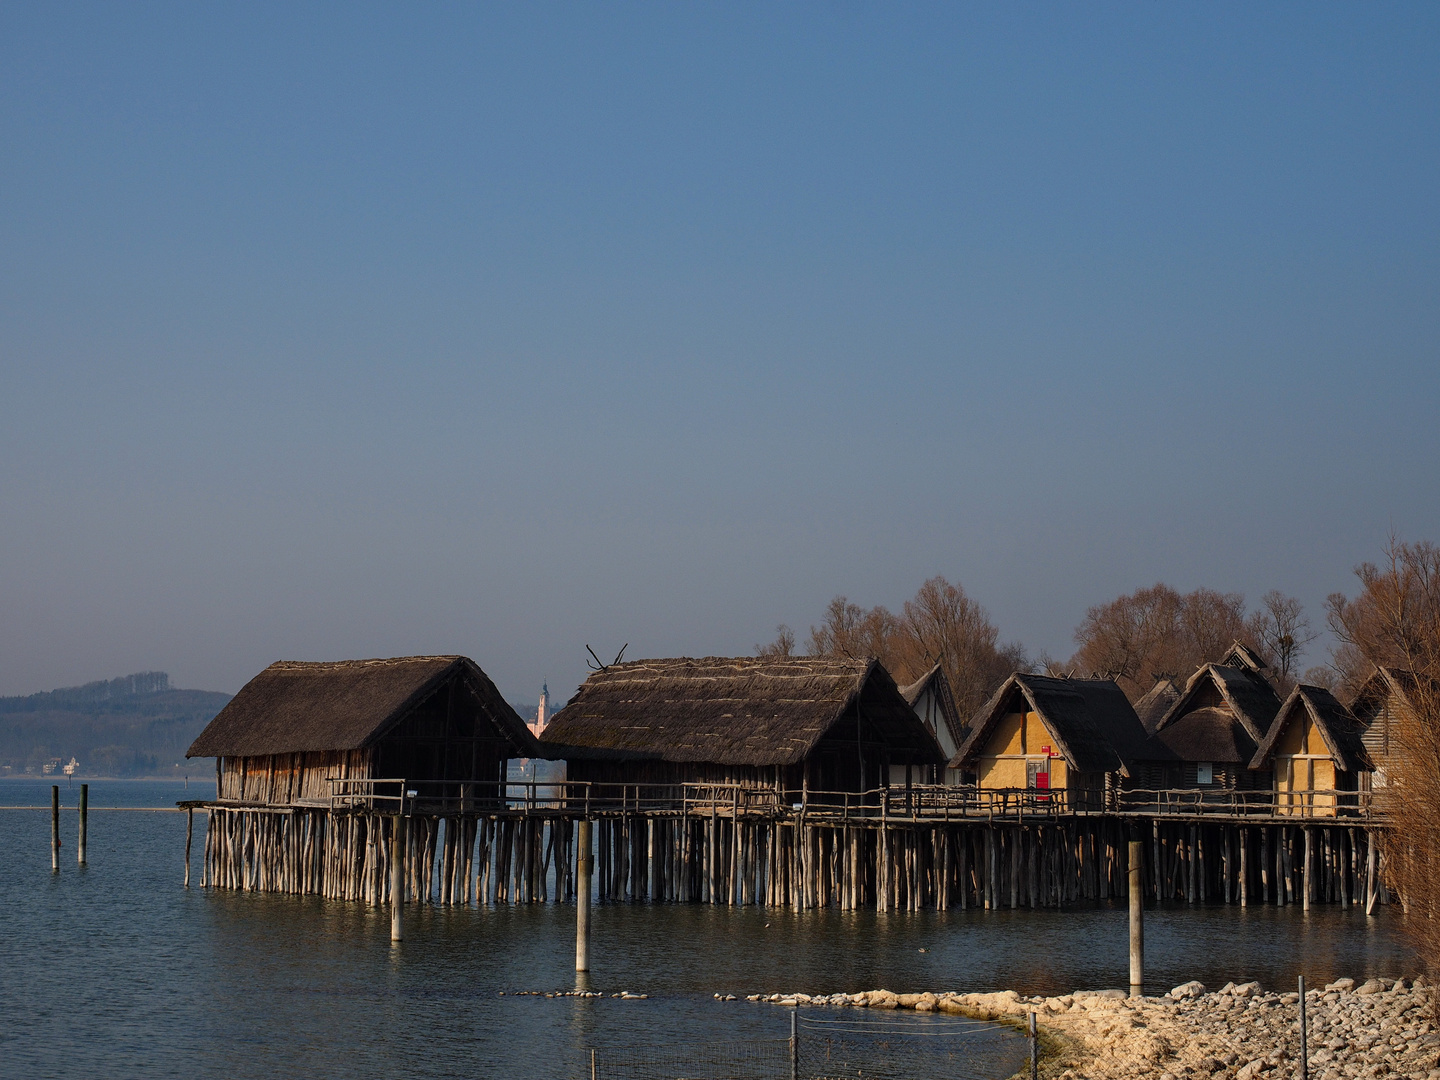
333 332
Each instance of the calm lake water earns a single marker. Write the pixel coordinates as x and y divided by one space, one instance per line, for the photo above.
118 970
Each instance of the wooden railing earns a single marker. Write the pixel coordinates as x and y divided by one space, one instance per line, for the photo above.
919 803
1303 803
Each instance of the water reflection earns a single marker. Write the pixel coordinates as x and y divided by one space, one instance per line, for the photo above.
120 971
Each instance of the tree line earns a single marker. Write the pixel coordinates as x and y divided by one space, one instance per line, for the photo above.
1392 620
1153 633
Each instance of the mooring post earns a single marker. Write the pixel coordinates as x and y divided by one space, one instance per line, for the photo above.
189 831
1370 874
1137 921
54 828
1034 1050
583 869
84 820
1304 1036
1309 859
794 1044
397 880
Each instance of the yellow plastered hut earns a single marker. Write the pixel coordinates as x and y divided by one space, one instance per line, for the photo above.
1068 737
1315 748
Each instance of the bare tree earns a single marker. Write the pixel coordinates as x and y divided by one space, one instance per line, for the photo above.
1282 631
1159 632
941 624
781 647
1210 622
1132 639
1394 622
850 630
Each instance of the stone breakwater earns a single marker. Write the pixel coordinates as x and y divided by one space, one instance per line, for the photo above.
1381 1028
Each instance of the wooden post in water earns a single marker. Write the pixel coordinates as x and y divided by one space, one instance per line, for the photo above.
397 880
84 821
1137 920
1244 869
55 828
1034 1049
189 831
1309 861
582 895
1370 874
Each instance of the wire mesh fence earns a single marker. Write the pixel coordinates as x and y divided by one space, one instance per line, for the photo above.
891 1047
886 1046
762 1059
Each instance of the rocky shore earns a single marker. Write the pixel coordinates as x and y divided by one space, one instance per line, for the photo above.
1380 1028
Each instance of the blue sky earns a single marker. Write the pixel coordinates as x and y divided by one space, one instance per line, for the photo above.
332 331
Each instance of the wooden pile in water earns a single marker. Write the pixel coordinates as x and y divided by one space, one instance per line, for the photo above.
732 860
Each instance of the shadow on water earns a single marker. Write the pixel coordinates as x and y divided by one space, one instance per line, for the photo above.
118 970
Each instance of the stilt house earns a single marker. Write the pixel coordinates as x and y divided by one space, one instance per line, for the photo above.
1209 737
1382 704
934 702
299 734
1066 740
1316 752
822 724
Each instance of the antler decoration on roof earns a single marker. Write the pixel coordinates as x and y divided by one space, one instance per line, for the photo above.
597 665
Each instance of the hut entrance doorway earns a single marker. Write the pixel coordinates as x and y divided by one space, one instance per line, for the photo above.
1037 775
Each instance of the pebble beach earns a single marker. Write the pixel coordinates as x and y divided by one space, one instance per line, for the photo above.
1379 1028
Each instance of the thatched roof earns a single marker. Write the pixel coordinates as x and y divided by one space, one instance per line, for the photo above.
1384 700
1336 724
1243 657
1204 734
1156 702
1091 720
296 707
936 682
734 711
1248 695
1385 684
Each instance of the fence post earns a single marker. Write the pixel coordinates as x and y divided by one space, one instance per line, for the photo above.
1304 1036
1034 1050
794 1044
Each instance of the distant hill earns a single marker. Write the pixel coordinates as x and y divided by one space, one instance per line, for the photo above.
137 725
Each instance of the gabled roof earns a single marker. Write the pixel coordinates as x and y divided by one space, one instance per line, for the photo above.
1241 656
734 710
1204 734
1385 682
295 707
1249 696
1091 720
1336 724
937 683
1151 708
